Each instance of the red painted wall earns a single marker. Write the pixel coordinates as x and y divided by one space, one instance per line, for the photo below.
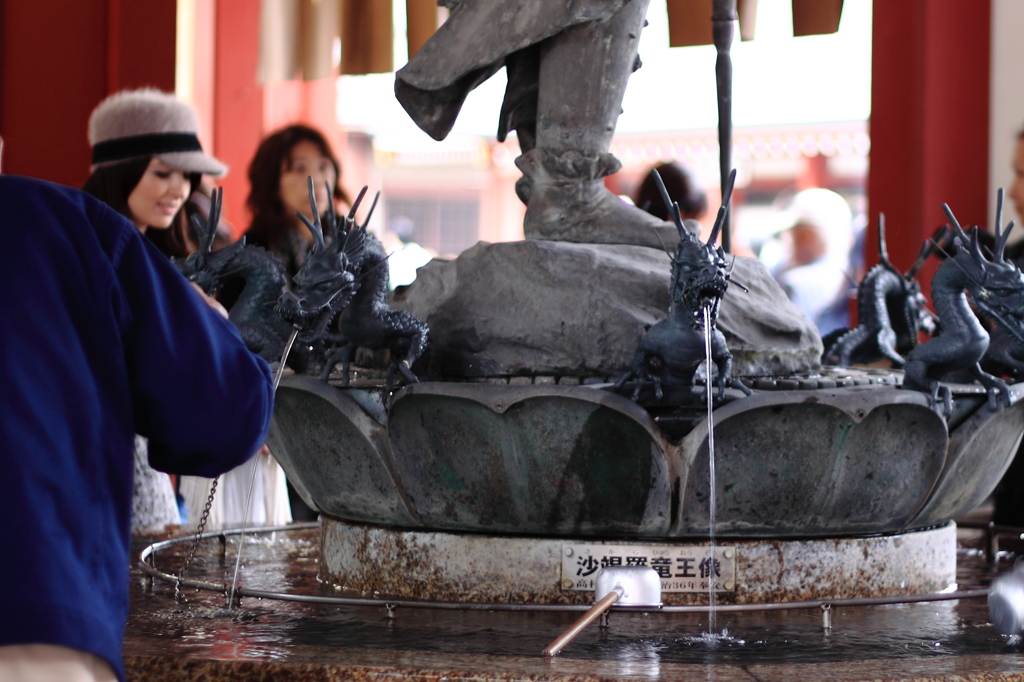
929 120
58 59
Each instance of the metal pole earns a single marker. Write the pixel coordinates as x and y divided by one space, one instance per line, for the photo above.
723 18
586 619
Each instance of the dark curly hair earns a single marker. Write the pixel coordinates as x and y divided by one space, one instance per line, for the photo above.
682 188
270 220
113 184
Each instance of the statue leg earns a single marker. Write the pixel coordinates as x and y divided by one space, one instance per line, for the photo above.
344 356
582 78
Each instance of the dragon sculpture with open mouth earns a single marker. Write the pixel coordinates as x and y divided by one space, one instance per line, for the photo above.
996 289
338 300
891 312
673 349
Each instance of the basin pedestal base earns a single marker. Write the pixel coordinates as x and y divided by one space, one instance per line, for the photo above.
464 567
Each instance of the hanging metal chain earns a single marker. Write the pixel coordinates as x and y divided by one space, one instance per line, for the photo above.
195 540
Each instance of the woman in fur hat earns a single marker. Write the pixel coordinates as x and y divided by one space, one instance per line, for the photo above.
146 162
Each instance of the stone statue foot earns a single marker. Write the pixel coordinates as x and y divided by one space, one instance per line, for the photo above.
606 220
568 201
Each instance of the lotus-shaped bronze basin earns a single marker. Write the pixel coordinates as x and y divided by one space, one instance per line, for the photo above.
553 460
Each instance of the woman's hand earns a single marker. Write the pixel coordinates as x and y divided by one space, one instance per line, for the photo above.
211 301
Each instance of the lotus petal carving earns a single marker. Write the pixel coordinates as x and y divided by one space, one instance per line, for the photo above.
577 461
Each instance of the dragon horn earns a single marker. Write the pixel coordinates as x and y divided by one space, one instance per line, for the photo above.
1001 236
315 227
968 242
927 249
205 242
673 208
351 219
216 203
723 211
957 230
976 246
332 214
883 249
207 229
355 204
370 214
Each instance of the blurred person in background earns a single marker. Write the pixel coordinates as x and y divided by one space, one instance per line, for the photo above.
405 256
815 233
278 189
1009 494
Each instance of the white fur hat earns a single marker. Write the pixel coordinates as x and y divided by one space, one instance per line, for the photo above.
147 122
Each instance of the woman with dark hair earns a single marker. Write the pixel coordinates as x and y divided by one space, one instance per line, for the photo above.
114 184
278 189
277 178
146 161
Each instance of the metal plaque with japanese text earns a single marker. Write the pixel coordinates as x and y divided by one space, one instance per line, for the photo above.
682 569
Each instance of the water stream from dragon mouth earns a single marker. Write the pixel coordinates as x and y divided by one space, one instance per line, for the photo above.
255 468
709 386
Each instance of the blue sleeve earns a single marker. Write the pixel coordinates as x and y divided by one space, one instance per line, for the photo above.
200 397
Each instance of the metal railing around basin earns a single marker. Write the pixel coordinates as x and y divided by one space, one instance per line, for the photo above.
148 556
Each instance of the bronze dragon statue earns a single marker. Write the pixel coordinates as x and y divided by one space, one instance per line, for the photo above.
673 349
891 312
996 288
326 282
1005 354
339 298
254 275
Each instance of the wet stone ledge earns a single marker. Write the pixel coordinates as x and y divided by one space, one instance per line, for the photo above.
264 639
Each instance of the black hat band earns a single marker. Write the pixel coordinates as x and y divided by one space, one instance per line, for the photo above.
144 145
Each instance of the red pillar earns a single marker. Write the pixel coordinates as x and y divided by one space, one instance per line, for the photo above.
52 73
238 100
143 47
929 120
58 60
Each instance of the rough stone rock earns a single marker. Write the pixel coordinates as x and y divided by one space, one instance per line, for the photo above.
545 307
766 333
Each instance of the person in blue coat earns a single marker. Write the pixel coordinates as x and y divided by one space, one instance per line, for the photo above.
100 339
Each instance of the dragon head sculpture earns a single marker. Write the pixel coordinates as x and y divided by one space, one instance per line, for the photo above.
907 306
327 281
994 285
700 273
206 267
699 276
